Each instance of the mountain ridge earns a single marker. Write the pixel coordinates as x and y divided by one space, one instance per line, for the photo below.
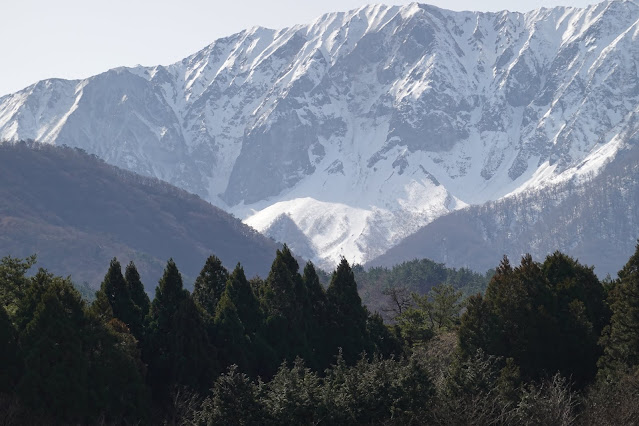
76 212
362 126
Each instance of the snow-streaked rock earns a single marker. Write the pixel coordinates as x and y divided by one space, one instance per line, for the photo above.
362 127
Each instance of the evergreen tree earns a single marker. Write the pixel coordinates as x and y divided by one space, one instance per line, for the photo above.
234 401
28 303
158 349
241 294
284 300
194 355
580 313
117 391
116 290
315 318
545 316
476 326
231 340
383 340
620 339
56 366
9 358
283 285
138 296
348 316
101 308
210 285
292 397
13 281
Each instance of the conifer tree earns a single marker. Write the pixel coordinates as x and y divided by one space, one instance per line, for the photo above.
286 305
230 339
158 349
138 295
315 319
283 286
118 392
241 294
210 285
546 317
235 401
348 316
195 357
621 338
9 359
56 366
13 281
116 290
101 308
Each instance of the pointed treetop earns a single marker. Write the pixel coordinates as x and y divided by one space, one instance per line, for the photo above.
117 293
289 259
136 288
239 292
210 285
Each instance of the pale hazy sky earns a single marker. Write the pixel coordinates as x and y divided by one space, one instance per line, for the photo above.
78 38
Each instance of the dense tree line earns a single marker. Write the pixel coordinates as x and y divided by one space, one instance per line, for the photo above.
547 343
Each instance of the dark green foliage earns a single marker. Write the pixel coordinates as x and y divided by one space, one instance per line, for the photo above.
91 370
10 365
547 317
347 315
241 294
282 286
13 281
159 349
374 391
116 290
470 393
315 320
115 363
580 314
234 402
210 285
292 397
231 340
477 326
194 356
383 340
498 364
54 334
621 338
288 309
435 312
136 290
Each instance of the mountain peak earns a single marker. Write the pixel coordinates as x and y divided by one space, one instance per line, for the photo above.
365 125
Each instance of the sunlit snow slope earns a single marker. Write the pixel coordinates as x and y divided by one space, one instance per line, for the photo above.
346 135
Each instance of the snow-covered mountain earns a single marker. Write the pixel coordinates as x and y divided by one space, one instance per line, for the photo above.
346 135
596 221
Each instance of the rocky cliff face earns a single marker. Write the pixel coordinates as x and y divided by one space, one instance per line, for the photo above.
354 131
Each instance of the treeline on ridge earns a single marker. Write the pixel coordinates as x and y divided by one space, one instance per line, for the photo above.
547 343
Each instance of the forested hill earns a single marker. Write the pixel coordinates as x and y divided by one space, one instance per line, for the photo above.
76 213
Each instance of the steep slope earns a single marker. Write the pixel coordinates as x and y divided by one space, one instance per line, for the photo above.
596 222
76 213
363 126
